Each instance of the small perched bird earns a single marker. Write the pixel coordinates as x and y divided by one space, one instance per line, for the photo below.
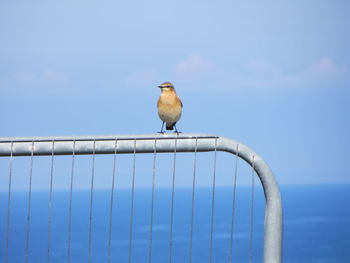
169 106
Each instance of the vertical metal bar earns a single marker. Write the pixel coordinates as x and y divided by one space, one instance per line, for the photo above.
29 203
213 206
132 202
252 214
70 204
111 202
172 206
9 205
50 205
233 204
152 202
193 195
91 199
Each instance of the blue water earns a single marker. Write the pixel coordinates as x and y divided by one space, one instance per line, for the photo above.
316 225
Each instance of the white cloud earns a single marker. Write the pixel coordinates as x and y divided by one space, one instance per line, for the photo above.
258 74
52 77
23 77
45 82
142 78
259 67
326 66
136 81
46 77
193 66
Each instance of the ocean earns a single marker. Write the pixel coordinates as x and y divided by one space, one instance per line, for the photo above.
316 225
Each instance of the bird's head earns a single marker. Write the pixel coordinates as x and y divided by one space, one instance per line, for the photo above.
166 87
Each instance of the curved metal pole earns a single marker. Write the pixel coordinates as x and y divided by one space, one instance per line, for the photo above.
165 143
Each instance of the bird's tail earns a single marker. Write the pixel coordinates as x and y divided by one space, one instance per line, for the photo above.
170 127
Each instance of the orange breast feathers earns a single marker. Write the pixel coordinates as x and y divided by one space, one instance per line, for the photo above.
169 107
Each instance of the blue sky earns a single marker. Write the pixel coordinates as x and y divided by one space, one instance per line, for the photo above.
273 75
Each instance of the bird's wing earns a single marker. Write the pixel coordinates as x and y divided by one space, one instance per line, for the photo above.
180 102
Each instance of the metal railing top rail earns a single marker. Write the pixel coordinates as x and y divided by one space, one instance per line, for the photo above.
183 142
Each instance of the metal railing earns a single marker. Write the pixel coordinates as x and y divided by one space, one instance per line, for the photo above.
156 143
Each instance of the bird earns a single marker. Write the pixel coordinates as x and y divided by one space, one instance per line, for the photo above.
169 106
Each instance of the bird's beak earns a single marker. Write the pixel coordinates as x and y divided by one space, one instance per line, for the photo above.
160 87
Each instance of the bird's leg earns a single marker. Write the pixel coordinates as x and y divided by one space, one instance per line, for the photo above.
161 131
176 129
